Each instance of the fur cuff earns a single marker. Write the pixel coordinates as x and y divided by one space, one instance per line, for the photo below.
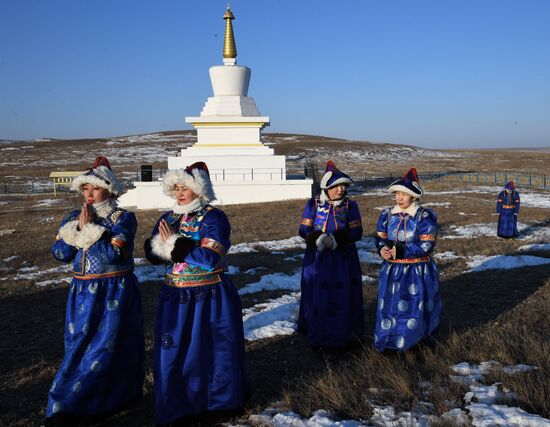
163 248
69 232
84 238
320 242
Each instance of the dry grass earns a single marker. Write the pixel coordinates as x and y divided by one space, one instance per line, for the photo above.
498 315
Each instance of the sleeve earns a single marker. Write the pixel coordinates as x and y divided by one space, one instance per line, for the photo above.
516 202
84 238
61 249
382 231
117 243
306 224
354 228
155 250
499 202
423 242
214 244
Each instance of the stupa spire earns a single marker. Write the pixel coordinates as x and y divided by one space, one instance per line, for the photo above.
229 46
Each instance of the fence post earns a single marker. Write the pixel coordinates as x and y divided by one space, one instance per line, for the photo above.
530 176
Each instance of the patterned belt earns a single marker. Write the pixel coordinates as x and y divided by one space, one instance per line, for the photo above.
99 276
186 280
508 206
410 260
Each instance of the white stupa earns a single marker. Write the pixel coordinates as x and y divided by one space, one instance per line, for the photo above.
242 169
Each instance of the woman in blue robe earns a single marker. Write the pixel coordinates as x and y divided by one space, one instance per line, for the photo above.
103 367
199 356
331 304
508 203
409 303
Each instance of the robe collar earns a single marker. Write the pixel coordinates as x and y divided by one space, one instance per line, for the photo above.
324 199
411 210
105 208
190 207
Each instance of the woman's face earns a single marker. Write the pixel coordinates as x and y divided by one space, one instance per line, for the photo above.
403 200
184 195
336 192
93 194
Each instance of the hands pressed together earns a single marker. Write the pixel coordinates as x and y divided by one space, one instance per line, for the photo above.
86 216
165 230
388 253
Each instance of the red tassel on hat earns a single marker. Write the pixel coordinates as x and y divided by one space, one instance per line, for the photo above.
101 161
411 175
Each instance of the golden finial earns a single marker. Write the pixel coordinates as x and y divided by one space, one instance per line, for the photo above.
229 47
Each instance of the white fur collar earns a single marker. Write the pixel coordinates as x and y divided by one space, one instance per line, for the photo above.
193 206
411 210
323 198
105 208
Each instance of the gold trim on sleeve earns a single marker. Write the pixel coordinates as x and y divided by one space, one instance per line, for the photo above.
213 245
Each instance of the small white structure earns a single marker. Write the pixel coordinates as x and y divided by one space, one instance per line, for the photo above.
242 169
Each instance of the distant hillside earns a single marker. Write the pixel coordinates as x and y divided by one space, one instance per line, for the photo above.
35 159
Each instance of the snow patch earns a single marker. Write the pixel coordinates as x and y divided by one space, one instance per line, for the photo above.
272 282
271 318
504 262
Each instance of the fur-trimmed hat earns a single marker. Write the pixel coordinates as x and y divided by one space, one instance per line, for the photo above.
100 175
407 184
333 177
510 185
195 177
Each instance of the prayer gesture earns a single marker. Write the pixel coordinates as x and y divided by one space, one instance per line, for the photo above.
86 216
165 230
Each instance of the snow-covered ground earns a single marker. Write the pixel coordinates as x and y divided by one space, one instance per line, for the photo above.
278 317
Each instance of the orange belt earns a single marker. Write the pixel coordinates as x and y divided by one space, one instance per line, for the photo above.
410 260
508 206
100 276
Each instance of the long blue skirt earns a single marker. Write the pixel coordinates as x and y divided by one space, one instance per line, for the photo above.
507 224
409 304
103 366
199 356
331 304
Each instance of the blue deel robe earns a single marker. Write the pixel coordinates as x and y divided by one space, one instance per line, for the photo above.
331 304
508 208
409 303
103 366
199 355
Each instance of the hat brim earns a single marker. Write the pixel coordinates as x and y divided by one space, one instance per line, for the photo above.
399 187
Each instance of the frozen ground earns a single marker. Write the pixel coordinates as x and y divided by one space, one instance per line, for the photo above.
278 317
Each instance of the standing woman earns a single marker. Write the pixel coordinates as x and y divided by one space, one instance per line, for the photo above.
508 208
331 305
409 305
103 367
199 357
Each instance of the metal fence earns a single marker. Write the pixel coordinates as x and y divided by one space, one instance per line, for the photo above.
522 180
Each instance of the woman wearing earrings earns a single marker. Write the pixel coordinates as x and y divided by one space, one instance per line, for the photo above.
103 367
331 305
409 304
198 355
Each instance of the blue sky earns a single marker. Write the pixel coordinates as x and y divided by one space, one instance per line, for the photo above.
434 73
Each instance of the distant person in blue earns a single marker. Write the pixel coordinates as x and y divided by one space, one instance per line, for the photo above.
409 304
199 356
331 305
508 208
103 367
